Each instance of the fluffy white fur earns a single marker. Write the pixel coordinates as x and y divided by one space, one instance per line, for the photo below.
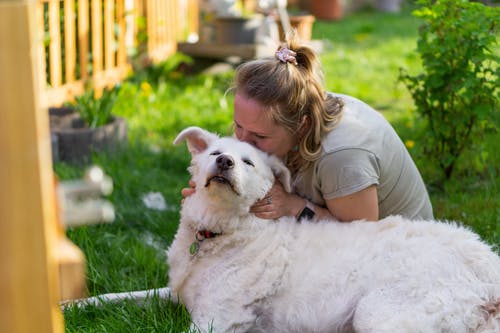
258 275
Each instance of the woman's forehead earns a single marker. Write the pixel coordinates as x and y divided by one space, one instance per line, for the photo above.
252 116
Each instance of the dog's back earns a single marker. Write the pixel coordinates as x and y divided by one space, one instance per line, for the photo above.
398 274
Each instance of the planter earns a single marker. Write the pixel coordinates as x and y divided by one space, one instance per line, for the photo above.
327 9
237 30
73 142
303 24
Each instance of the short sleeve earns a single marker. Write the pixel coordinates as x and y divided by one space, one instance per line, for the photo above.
346 172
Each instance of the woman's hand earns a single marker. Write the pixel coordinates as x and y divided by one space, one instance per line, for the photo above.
187 191
277 203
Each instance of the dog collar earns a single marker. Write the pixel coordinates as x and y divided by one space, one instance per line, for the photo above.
200 236
204 234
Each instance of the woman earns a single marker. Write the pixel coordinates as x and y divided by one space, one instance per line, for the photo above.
347 162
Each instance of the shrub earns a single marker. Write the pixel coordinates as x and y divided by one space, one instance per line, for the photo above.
457 92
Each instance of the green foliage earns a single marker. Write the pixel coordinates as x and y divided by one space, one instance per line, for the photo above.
457 94
97 111
172 67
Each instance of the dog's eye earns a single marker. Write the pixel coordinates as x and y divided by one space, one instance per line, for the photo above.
247 161
215 153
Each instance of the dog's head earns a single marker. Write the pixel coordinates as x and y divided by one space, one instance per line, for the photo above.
228 169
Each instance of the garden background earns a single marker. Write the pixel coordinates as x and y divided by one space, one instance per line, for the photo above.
363 55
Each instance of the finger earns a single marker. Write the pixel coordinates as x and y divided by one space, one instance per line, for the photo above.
192 183
262 202
266 215
186 192
261 208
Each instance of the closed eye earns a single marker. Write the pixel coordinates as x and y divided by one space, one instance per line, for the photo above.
215 153
247 161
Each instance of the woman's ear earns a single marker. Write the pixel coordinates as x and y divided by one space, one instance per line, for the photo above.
305 122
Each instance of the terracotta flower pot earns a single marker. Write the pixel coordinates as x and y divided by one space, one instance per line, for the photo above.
327 9
303 24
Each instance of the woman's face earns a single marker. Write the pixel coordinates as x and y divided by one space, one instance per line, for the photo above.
254 126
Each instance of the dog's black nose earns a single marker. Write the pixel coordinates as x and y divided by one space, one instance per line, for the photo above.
224 162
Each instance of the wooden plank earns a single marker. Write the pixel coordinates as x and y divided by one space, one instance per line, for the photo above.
121 57
162 52
138 12
83 37
69 40
172 21
40 22
193 17
111 77
67 92
96 19
56 96
151 24
55 44
29 281
162 24
73 284
109 54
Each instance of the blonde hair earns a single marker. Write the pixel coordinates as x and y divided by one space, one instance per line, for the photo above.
289 92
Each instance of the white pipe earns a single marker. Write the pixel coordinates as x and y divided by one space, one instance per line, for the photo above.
138 296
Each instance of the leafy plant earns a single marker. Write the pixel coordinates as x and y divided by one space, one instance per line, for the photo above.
458 91
97 111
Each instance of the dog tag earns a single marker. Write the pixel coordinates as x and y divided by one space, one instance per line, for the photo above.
193 249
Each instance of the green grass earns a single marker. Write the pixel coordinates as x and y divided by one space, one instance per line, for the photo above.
363 57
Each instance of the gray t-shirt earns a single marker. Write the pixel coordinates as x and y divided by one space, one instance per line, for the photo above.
364 150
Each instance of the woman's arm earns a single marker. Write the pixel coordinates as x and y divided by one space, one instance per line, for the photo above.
356 206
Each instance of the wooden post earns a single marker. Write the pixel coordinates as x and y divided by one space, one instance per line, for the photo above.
29 281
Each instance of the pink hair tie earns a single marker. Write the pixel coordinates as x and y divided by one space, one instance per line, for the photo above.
284 54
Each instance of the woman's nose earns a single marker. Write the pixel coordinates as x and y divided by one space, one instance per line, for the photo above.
246 137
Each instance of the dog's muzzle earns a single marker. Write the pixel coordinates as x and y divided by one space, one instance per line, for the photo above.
224 164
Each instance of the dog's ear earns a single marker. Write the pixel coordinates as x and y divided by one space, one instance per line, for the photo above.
197 139
281 172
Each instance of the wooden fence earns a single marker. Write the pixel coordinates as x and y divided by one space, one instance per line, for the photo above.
89 42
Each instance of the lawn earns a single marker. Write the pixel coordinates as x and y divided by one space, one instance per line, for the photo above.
362 57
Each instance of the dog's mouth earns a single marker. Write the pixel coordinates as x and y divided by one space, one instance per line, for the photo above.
221 180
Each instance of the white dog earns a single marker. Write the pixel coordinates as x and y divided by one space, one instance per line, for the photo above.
237 273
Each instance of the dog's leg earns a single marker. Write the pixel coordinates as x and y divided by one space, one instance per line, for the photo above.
138 296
